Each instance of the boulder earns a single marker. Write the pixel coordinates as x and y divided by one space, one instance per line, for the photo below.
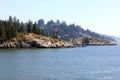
36 43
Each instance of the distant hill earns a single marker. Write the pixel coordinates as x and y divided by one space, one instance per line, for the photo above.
117 39
67 32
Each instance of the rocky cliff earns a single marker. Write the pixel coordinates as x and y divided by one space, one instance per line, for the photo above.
29 40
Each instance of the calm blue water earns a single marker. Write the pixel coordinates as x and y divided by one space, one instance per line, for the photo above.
88 63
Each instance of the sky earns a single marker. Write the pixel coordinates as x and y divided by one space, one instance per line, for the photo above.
101 16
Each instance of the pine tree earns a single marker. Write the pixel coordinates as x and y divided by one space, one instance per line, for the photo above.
41 22
29 26
9 28
2 32
34 30
21 27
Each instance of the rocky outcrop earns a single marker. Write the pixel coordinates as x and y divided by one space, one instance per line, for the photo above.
95 41
30 40
92 41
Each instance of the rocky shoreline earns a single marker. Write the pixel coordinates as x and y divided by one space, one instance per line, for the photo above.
30 40
93 42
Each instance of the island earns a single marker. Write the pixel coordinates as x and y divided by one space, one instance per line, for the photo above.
16 34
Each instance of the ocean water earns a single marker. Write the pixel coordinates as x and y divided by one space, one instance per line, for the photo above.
84 63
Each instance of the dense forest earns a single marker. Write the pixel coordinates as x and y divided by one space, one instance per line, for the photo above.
11 27
67 32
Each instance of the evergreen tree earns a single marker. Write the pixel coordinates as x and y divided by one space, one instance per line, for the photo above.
38 31
41 23
29 26
35 27
21 27
85 40
9 28
2 32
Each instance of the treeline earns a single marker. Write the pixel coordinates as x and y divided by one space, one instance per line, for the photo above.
11 27
67 32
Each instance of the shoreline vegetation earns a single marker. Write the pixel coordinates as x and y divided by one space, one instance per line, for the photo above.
16 34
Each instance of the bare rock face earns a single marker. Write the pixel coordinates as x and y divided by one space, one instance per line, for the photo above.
30 40
35 43
48 43
93 41
77 41
96 41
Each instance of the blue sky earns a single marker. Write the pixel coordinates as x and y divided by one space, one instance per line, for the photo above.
102 16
